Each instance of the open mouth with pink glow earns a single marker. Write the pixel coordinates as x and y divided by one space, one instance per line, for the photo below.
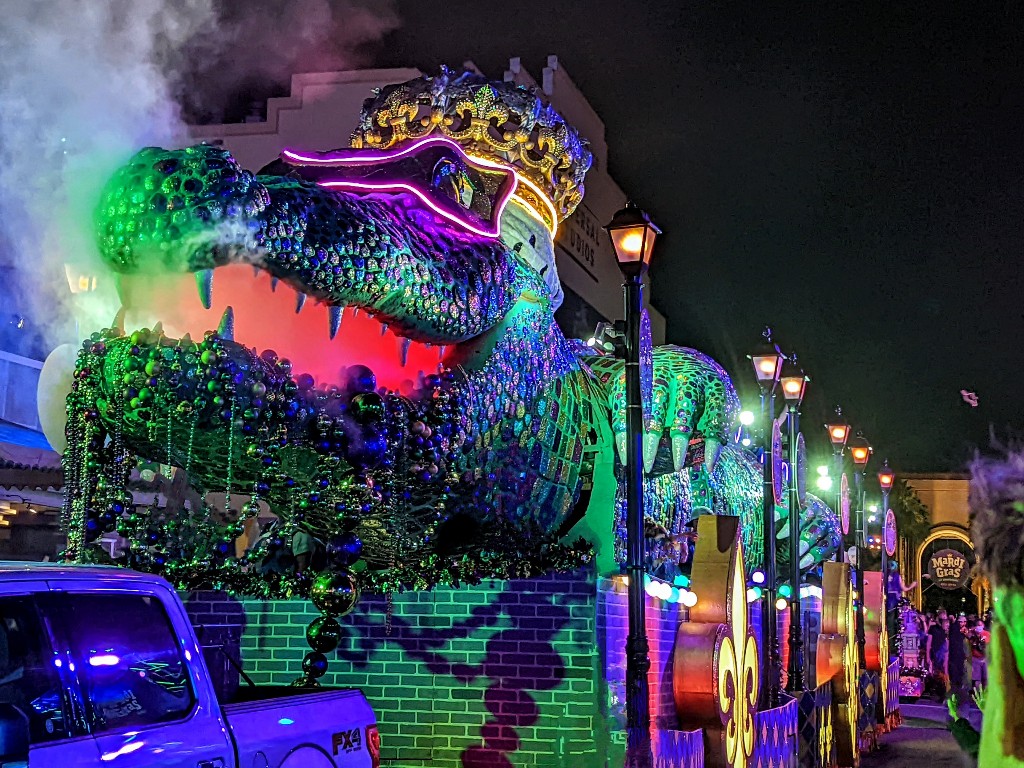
270 315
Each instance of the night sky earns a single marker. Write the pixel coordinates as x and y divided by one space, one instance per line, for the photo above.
850 175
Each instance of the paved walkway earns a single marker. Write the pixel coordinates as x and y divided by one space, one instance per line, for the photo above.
923 741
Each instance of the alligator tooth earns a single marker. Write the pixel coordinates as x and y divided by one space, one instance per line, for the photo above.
255 271
355 311
383 328
204 282
118 324
226 329
300 302
440 352
273 284
335 314
403 350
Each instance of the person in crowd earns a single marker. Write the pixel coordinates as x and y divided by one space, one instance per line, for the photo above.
979 638
938 643
959 656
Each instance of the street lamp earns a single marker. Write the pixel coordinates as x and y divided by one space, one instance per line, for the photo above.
794 385
633 235
767 362
886 478
838 433
860 452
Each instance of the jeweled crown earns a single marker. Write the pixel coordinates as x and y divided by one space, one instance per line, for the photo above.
499 120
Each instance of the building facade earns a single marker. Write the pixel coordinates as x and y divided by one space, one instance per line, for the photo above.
942 564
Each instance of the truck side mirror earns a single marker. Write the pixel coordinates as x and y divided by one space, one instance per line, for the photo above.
14 736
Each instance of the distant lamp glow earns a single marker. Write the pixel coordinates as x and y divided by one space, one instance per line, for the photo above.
825 483
753 594
860 450
757 577
767 362
794 382
838 431
781 604
785 590
746 418
688 598
822 471
746 442
681 580
872 518
633 234
886 477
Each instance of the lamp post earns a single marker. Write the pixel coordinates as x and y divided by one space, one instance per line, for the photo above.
838 432
767 362
860 452
886 478
794 385
633 234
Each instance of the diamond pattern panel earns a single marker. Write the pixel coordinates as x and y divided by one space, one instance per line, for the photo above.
777 739
678 749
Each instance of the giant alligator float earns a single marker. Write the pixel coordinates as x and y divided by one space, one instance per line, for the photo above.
386 374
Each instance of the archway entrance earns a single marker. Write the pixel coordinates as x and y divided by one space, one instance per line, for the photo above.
944 564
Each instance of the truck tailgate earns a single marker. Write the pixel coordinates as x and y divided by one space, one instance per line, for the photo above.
318 729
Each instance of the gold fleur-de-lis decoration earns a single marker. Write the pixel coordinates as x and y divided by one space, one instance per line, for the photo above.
738 673
715 661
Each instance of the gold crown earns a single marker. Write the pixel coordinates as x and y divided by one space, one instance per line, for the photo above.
499 120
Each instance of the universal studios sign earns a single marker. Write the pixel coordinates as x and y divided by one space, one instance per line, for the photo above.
949 569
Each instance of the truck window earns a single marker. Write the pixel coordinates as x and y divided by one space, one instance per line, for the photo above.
131 665
28 677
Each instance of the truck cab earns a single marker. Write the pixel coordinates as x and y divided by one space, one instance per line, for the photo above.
100 666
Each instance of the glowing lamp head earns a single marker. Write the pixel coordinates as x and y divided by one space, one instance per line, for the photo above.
781 604
757 577
794 382
746 418
886 477
767 362
838 432
860 450
633 234
825 483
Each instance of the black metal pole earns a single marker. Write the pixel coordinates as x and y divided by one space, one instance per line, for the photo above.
638 715
796 646
861 542
841 555
771 661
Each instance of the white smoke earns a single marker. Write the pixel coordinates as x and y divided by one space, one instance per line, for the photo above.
82 87
86 83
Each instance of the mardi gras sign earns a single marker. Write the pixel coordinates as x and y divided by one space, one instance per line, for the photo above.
949 569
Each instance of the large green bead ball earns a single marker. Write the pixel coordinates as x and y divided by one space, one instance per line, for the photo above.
323 634
335 594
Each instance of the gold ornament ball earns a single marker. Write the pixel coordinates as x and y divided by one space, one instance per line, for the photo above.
335 594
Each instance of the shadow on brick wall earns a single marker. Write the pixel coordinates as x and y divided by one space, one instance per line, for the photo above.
507 647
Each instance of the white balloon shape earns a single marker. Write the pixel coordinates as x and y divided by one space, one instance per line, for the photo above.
54 386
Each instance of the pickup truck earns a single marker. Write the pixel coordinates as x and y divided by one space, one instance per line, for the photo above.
99 666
